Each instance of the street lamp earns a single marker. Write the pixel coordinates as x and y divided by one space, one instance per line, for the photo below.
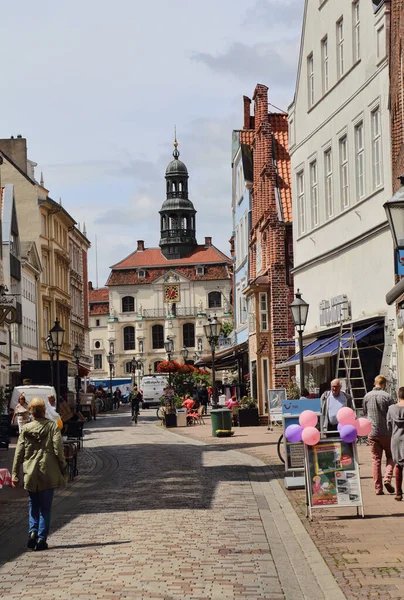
137 365
77 355
395 215
110 358
300 309
57 334
212 332
169 348
184 353
51 352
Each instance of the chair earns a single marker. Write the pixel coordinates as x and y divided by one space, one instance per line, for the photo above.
197 417
75 431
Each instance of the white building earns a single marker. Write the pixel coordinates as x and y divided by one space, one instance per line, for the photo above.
341 172
30 273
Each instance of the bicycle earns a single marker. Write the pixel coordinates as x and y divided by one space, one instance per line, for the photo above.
161 413
280 449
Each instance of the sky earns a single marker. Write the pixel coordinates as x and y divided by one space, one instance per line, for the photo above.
97 87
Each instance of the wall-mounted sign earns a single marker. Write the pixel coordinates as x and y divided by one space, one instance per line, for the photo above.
334 311
8 314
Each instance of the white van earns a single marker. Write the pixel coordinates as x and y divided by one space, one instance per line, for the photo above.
30 392
153 388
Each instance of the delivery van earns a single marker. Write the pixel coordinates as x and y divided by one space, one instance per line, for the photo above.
30 392
153 387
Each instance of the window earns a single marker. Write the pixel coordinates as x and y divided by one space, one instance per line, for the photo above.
214 300
128 304
188 333
356 31
200 270
46 319
142 273
359 160
381 43
97 361
258 257
314 193
251 314
300 202
376 149
329 203
343 166
324 57
265 380
340 48
264 311
45 269
97 322
128 367
291 132
310 78
158 337
43 225
129 338
97 345
156 365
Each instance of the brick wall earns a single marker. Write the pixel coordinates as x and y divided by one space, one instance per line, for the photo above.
396 89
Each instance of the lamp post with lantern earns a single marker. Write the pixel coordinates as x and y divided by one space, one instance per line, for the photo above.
57 334
300 309
77 355
51 352
184 354
212 331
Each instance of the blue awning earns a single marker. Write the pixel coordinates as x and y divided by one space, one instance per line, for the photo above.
325 347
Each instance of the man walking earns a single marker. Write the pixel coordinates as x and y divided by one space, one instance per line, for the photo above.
135 398
331 402
375 406
204 398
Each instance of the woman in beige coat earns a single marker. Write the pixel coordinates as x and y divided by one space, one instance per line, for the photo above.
40 451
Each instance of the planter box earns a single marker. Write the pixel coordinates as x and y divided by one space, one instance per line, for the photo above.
171 420
248 417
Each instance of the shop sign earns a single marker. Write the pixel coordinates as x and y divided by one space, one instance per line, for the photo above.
334 311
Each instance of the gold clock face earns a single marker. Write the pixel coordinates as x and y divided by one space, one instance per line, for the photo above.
171 293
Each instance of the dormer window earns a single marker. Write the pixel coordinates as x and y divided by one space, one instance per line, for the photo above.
141 274
200 270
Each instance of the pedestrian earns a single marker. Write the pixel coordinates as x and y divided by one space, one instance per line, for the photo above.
135 398
21 413
40 451
375 406
204 398
331 401
395 424
116 398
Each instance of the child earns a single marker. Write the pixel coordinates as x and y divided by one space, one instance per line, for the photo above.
395 423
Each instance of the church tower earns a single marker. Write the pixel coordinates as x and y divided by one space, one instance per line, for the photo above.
177 215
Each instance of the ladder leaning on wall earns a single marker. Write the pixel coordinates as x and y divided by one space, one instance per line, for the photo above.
349 366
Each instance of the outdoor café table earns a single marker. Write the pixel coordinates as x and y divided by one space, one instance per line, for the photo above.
5 477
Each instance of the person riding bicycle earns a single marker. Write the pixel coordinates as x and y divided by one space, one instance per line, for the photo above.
135 399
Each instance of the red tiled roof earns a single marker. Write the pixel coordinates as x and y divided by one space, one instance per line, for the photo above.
100 308
153 257
279 123
100 295
130 276
247 136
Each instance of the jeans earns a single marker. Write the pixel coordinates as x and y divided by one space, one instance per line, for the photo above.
379 444
40 507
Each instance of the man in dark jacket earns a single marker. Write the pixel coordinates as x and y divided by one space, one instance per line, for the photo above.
204 397
135 399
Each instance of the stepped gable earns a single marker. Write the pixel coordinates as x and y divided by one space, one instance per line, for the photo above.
279 124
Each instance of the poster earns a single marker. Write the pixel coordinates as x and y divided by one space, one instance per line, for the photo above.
332 474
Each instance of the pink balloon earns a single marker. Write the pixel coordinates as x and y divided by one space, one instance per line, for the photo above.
310 436
346 416
363 426
308 418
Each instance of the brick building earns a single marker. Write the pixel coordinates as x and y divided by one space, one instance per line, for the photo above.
270 284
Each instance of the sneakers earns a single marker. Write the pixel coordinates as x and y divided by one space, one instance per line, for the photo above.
389 487
380 493
41 545
398 496
32 538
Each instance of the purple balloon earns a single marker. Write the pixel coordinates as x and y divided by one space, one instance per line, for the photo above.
293 433
348 433
339 426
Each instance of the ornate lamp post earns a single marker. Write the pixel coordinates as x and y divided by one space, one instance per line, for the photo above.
169 348
300 309
51 352
57 334
212 332
110 358
184 353
77 355
395 215
137 365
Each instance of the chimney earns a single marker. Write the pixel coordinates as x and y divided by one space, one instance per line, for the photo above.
16 150
140 245
260 105
208 242
247 112
90 285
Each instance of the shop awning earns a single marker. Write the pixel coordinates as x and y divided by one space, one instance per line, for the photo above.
325 347
224 359
83 371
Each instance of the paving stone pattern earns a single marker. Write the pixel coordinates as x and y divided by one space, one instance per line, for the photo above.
156 516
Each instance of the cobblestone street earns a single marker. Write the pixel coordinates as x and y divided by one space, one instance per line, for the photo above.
157 516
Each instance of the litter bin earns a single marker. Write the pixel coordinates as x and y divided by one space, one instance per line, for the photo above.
181 417
221 419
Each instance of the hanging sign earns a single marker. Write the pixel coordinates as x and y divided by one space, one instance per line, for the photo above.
8 314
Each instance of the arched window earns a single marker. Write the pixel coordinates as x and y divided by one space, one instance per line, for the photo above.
128 304
128 367
129 338
214 300
156 364
157 337
188 334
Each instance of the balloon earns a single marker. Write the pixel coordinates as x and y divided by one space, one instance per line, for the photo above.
311 436
363 426
348 433
346 416
293 433
308 419
339 426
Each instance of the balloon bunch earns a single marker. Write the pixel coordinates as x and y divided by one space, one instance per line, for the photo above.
349 427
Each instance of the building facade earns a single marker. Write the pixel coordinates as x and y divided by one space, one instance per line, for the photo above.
160 293
30 278
78 273
339 139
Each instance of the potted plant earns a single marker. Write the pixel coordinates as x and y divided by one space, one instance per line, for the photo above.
248 412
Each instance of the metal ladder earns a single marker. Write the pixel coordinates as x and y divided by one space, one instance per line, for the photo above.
349 366
389 360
